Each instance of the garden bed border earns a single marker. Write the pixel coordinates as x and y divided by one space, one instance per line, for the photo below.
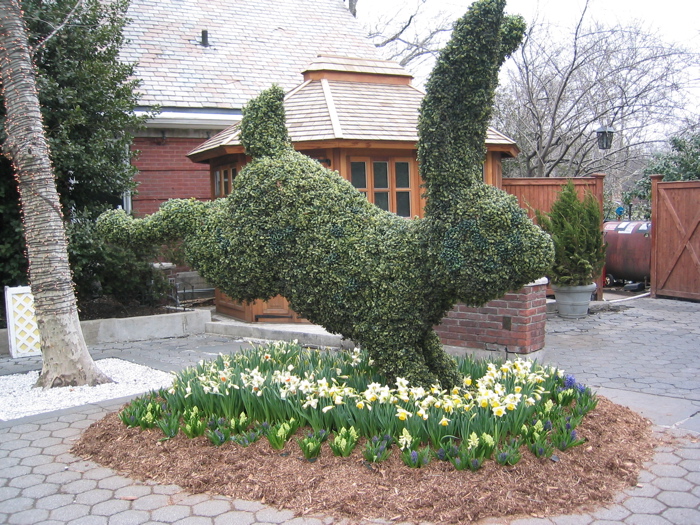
143 328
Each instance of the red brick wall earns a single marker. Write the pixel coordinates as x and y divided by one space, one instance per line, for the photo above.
166 173
514 323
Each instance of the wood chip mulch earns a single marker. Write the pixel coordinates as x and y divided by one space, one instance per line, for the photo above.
619 441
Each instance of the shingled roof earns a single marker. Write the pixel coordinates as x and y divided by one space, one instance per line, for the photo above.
251 44
347 99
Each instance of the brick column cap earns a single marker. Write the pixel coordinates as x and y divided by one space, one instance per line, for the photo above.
538 282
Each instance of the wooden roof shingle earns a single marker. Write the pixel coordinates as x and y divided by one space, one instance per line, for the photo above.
336 108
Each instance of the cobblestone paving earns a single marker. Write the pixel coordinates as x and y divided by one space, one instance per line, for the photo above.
650 348
656 342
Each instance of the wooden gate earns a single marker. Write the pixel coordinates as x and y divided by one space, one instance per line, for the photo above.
675 238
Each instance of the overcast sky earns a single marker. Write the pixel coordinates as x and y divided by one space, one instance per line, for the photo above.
677 20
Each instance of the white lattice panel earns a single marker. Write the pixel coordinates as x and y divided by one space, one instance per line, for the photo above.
21 322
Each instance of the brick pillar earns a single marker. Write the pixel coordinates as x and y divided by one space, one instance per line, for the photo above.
515 323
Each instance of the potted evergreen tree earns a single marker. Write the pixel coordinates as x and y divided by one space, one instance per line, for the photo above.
579 249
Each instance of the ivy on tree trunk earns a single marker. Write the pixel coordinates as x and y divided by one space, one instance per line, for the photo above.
66 359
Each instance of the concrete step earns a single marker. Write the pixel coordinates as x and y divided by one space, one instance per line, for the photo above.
306 334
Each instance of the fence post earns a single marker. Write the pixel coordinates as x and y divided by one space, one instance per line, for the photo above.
598 179
655 179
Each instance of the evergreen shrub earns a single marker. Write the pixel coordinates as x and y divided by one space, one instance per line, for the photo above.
579 248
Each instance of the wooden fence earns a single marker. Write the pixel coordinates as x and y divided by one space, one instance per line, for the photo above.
675 238
540 193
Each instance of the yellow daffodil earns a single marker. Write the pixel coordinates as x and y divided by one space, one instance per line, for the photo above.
444 422
403 414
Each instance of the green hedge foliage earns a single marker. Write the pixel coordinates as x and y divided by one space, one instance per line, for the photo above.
294 228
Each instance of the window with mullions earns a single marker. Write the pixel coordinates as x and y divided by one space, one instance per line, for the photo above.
223 180
386 183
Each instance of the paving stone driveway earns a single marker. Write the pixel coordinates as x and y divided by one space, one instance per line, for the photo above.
647 352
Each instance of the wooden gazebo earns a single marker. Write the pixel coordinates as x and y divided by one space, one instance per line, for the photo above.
358 117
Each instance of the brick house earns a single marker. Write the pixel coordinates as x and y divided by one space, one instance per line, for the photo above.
200 61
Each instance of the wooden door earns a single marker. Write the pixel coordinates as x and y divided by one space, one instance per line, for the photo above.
675 239
276 310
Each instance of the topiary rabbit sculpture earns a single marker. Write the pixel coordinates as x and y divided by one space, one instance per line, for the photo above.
294 228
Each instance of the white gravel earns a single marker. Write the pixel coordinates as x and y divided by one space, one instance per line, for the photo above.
19 398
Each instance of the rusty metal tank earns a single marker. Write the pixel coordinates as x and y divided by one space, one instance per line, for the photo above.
628 255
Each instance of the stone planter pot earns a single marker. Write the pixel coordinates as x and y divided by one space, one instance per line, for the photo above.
573 301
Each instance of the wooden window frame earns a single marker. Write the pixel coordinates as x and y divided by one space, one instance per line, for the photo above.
371 191
219 188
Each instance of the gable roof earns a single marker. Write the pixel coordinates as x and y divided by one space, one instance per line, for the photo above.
252 44
348 99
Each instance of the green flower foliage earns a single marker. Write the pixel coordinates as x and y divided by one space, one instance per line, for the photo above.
294 228
579 248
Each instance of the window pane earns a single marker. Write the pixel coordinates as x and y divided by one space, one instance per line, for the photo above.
402 175
358 174
217 183
226 183
381 174
382 200
403 203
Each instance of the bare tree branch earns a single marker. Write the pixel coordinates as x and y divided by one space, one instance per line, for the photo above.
410 36
73 12
558 90
398 34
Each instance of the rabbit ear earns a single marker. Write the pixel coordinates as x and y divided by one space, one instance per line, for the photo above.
456 110
263 128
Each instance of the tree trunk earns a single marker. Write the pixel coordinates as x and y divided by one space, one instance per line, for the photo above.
66 359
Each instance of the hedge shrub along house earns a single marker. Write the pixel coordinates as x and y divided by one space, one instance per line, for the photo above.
358 117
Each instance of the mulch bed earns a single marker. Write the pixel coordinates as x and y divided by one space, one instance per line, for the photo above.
619 441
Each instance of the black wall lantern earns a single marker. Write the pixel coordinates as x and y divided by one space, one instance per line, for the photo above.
605 137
